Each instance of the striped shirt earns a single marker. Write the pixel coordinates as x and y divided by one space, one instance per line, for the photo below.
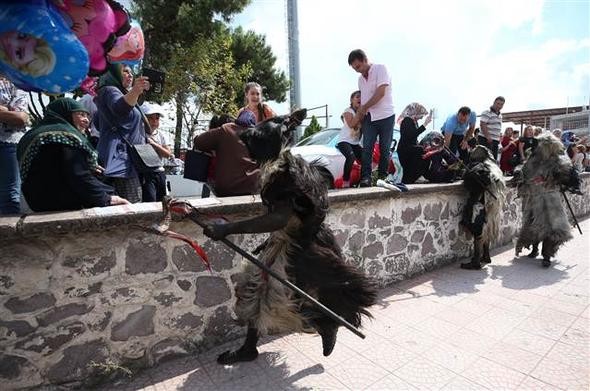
14 100
494 123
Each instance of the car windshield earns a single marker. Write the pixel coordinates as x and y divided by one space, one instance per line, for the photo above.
324 137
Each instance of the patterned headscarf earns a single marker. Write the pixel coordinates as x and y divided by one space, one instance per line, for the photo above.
412 110
56 127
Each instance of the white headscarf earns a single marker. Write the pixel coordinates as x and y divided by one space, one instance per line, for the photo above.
412 110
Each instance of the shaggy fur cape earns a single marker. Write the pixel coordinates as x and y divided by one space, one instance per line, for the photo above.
306 253
485 183
543 214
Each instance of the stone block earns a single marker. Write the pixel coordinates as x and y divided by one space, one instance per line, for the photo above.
356 219
185 285
30 304
167 298
6 282
83 291
188 321
48 342
13 367
357 240
91 265
62 312
341 237
374 268
428 245
411 214
377 221
221 325
396 244
220 256
76 363
417 236
16 328
373 250
145 258
186 260
211 291
136 324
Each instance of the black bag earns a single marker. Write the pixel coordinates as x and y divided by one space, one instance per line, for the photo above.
144 157
196 165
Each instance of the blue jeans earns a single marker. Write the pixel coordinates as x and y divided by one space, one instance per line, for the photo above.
9 180
384 129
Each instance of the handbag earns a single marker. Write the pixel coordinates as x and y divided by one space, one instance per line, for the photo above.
144 157
196 165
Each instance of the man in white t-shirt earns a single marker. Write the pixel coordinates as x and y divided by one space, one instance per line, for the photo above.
154 185
376 111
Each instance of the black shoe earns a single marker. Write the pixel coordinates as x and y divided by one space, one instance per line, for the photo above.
473 265
486 260
365 183
546 262
533 253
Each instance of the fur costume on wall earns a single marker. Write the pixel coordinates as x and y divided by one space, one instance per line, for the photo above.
544 175
481 216
302 249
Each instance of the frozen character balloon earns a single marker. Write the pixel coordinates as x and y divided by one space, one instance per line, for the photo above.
38 51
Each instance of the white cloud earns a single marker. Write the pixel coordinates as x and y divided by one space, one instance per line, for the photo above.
444 54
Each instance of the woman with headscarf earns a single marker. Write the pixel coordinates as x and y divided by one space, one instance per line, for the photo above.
408 149
58 163
118 116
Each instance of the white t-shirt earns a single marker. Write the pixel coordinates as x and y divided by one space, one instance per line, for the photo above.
162 139
378 76
346 132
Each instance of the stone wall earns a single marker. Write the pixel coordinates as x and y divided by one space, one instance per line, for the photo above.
82 292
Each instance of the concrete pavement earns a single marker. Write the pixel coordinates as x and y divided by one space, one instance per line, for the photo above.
512 325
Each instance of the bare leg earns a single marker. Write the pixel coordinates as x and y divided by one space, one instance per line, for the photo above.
247 352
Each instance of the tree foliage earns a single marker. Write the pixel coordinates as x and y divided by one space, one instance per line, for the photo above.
313 127
249 48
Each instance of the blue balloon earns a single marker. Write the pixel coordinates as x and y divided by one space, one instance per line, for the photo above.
38 52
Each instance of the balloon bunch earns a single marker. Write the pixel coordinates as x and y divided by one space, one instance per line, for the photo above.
55 46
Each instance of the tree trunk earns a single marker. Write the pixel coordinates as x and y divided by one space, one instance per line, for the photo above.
180 100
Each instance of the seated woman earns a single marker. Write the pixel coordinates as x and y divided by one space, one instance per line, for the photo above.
58 164
409 151
350 137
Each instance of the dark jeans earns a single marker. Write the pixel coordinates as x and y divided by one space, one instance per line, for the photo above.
351 152
455 145
153 187
371 129
494 147
9 180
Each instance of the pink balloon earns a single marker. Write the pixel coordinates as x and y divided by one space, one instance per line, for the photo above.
129 47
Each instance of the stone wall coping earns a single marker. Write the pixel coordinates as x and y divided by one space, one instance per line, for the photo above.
96 219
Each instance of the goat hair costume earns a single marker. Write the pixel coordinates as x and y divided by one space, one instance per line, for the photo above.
481 216
306 253
542 178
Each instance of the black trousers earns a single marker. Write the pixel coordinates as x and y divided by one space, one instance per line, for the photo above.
455 145
494 147
351 153
153 187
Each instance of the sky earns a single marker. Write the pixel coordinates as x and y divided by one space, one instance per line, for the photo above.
443 54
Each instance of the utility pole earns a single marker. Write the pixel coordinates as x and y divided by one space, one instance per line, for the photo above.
293 37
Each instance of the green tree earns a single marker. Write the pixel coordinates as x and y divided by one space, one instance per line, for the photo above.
181 38
249 48
313 127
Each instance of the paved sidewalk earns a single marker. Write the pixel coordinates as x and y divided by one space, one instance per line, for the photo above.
512 325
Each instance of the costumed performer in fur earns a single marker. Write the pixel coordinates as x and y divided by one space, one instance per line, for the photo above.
546 174
300 248
484 181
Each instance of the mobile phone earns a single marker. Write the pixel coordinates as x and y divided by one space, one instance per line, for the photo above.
157 79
